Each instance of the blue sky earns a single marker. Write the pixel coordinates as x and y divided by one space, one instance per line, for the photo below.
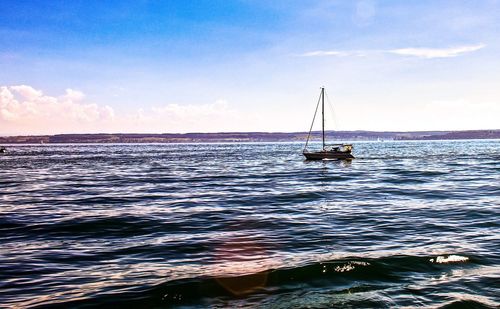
207 66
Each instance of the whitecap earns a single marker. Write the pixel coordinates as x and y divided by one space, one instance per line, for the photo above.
449 259
350 266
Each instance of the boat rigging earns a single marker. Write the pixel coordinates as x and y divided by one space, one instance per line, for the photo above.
338 151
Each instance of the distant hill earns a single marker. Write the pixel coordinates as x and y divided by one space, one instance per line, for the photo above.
247 137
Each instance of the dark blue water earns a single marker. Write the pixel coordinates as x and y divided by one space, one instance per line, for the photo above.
250 225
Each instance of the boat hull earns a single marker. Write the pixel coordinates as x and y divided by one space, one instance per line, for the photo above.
321 155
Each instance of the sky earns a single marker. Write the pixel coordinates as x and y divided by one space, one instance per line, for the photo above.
247 65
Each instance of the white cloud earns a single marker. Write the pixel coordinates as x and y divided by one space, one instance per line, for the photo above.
429 53
177 111
73 95
23 108
216 116
27 92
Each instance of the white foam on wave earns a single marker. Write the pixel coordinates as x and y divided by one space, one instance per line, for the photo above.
350 266
449 259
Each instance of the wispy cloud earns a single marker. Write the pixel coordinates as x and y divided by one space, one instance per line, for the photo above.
429 53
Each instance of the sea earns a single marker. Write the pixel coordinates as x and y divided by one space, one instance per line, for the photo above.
250 225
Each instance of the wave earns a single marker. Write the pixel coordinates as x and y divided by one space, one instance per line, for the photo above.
349 275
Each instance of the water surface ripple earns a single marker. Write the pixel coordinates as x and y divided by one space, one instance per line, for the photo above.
250 225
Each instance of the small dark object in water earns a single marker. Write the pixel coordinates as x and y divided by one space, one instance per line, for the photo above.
341 151
3 149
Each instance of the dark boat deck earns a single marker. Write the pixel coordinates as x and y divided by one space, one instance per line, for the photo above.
320 155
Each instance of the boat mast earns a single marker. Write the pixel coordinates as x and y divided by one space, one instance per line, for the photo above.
323 114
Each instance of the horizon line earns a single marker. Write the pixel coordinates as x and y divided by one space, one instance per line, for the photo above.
251 132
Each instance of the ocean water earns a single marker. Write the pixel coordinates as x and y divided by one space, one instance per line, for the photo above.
405 224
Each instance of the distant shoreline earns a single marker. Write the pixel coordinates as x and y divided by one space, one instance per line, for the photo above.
235 137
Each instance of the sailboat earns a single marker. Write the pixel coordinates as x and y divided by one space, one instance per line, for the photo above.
337 151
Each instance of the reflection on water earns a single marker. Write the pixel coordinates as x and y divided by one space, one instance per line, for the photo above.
249 225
